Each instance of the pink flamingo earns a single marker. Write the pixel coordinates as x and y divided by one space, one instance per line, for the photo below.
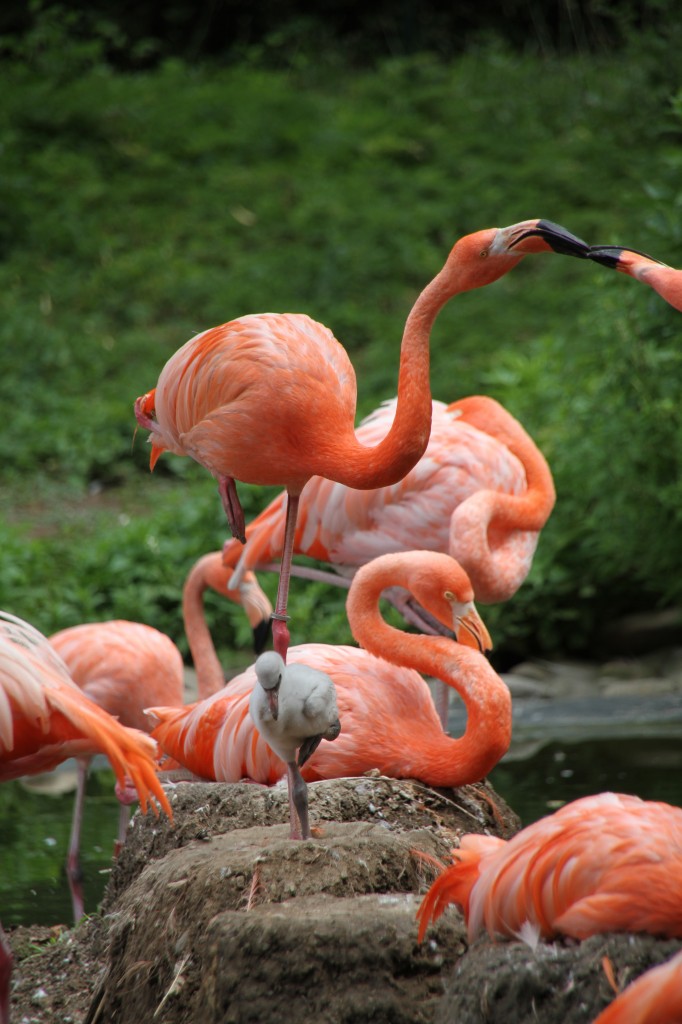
604 863
388 719
124 667
45 719
270 398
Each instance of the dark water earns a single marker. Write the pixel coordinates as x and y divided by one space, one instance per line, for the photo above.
560 751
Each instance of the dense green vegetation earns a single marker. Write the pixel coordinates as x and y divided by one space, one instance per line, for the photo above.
138 207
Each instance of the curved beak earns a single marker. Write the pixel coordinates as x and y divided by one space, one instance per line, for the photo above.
532 236
273 702
261 633
470 629
616 257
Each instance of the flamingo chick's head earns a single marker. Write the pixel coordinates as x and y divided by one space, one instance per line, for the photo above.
269 671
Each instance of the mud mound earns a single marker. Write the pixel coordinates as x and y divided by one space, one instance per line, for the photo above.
557 983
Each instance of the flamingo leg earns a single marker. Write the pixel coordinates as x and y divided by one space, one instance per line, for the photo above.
227 489
74 871
6 964
298 802
280 630
123 819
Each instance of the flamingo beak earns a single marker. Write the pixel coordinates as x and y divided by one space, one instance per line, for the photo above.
157 450
273 702
471 630
532 236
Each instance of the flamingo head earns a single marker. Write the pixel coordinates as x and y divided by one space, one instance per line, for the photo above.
442 587
479 259
269 671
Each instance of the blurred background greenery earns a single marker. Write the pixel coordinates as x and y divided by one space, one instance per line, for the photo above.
166 168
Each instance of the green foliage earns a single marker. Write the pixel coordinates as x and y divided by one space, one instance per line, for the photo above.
139 208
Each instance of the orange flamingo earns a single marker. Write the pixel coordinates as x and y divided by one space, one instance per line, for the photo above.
387 714
663 279
45 719
604 863
654 998
270 398
124 667
481 493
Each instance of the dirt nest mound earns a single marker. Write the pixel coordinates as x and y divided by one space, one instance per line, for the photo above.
220 917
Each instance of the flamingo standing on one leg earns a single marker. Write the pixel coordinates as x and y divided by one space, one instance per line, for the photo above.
600 864
270 398
388 715
654 998
294 709
45 719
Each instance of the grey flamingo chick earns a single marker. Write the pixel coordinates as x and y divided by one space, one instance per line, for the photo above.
294 708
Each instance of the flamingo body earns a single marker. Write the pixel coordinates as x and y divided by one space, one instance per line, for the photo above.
270 398
45 719
481 493
389 719
604 863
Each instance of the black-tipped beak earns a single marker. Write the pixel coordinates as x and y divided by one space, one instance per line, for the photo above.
560 240
610 255
261 635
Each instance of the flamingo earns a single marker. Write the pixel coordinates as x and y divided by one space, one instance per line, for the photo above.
45 719
270 398
609 862
126 666
389 719
663 279
294 709
654 998
481 493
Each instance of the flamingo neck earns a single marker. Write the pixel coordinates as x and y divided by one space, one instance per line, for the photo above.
210 676
389 461
443 760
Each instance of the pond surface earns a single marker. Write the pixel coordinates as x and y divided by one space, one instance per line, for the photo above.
561 750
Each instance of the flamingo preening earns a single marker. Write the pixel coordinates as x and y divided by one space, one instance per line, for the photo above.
389 721
270 398
603 863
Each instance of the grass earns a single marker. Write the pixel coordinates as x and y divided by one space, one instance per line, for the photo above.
138 208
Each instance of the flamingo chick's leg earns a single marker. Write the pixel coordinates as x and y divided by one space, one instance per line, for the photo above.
6 964
227 489
298 802
74 871
280 630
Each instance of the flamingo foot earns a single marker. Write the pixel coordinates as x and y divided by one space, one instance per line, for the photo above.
227 489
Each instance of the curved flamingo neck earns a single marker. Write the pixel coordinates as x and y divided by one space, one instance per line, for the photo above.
405 443
441 759
210 676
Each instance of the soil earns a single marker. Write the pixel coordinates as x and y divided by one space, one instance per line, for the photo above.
220 917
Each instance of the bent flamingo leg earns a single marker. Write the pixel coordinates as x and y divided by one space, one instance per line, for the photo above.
227 489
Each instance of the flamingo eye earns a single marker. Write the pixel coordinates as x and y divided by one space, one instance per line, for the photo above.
449 596
483 254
